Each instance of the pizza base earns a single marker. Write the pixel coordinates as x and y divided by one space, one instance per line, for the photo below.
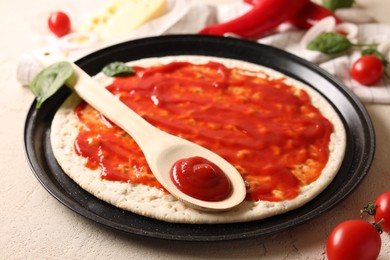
154 203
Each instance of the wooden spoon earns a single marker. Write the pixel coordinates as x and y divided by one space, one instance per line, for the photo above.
160 149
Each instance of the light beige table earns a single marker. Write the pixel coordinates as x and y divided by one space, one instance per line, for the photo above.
33 225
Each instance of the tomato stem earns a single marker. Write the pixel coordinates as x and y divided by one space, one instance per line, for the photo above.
378 226
370 209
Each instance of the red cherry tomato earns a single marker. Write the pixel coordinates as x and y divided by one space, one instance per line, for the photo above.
382 210
367 70
59 23
355 240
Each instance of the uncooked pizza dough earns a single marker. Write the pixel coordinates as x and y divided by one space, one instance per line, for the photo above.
155 203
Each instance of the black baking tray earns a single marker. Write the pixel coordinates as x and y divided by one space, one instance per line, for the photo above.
358 158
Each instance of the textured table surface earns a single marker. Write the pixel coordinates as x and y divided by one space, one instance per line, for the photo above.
33 225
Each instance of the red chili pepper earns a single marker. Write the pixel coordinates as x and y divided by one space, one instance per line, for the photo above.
264 16
307 16
252 2
310 15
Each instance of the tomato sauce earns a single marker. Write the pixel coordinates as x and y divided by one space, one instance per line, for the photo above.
200 179
267 129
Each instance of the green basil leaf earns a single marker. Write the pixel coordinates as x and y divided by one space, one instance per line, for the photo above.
336 4
47 82
117 68
375 52
330 43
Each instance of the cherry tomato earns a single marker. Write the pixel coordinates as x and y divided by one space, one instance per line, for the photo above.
367 70
59 23
382 210
355 240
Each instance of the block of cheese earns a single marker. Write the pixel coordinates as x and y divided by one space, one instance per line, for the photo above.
123 16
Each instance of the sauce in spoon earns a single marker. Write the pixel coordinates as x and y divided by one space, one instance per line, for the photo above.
201 179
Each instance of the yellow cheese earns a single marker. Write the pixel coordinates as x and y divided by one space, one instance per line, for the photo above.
124 16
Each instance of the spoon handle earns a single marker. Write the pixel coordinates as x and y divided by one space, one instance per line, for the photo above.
105 102
112 108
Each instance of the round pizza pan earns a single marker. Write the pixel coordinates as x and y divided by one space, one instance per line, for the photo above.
357 161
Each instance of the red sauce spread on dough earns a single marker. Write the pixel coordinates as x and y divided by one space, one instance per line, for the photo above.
267 129
201 179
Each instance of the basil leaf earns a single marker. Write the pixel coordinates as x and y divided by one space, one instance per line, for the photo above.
49 80
375 52
330 43
336 4
117 68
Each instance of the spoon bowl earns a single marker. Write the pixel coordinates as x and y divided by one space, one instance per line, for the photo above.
160 149
162 159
